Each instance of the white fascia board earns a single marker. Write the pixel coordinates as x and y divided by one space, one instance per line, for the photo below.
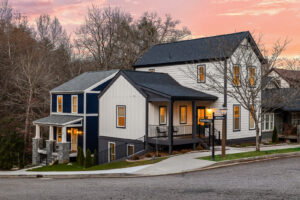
100 82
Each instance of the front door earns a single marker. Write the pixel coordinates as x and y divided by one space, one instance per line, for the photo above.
74 139
200 115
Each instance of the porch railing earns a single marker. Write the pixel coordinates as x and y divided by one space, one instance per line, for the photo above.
163 131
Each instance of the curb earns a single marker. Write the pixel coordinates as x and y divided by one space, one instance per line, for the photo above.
219 164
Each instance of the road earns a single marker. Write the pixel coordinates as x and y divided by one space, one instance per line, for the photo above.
276 179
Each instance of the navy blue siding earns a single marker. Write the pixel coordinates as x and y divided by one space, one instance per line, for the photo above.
80 103
92 103
92 133
54 105
102 86
67 104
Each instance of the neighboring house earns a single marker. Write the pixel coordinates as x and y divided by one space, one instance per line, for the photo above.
73 119
281 103
161 105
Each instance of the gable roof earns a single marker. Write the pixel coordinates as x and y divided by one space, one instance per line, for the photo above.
291 76
165 85
83 81
201 49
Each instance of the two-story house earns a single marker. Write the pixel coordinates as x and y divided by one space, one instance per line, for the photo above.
281 103
73 119
159 104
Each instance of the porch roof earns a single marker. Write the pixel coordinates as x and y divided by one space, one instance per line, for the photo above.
58 120
164 85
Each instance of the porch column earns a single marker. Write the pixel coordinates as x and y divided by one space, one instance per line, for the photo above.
64 148
37 132
170 128
194 122
64 134
51 135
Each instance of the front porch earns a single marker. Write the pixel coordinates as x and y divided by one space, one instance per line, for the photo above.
177 122
62 141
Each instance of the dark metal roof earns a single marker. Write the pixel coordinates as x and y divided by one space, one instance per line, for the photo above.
286 99
58 120
164 84
208 48
83 81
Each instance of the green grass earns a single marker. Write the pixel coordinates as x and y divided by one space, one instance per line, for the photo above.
113 165
250 154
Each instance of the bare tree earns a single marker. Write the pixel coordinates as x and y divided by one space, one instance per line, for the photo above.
244 80
113 39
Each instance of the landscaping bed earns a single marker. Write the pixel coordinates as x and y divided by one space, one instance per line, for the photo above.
251 154
107 166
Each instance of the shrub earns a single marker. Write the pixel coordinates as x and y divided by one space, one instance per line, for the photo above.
95 158
80 156
88 159
275 136
135 157
148 155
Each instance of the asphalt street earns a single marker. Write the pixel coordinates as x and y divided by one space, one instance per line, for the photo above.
276 179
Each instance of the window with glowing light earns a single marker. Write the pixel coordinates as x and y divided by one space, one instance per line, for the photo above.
236 117
236 75
59 103
162 115
183 114
74 103
201 73
121 116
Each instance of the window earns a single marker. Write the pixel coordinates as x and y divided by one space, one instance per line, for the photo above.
183 114
236 75
112 151
295 118
201 74
74 103
130 149
267 122
251 121
151 70
121 116
162 115
252 75
59 134
236 117
59 103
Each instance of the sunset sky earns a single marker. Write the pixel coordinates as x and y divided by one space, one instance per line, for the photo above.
274 19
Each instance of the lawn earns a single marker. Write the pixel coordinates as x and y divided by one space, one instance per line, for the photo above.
113 165
250 154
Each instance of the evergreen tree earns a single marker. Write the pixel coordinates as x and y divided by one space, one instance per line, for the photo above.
80 156
275 135
88 160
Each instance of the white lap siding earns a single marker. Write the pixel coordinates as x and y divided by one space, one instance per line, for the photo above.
121 92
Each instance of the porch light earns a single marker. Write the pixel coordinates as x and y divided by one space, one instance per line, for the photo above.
224 110
209 112
79 132
69 131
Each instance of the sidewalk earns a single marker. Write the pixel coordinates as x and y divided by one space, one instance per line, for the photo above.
174 164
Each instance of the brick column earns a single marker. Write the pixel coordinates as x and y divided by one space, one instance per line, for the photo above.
36 143
63 152
49 150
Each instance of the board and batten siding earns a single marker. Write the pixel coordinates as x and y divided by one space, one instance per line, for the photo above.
122 93
181 73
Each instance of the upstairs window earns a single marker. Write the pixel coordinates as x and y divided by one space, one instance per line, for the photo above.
59 103
162 115
183 114
201 73
74 103
236 117
236 75
252 75
121 116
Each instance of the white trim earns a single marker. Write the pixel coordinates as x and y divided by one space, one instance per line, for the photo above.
121 106
65 124
109 150
37 132
78 114
62 103
93 92
264 122
100 82
50 103
128 145
67 92
72 111
84 124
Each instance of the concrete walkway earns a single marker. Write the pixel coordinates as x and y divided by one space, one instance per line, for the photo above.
174 164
